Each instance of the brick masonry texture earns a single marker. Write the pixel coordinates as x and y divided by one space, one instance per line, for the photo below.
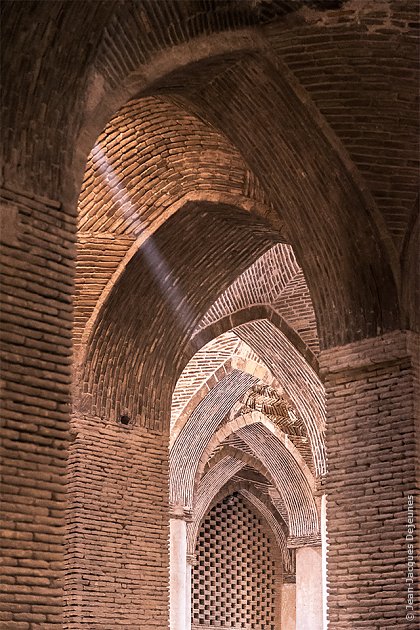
128 321
36 328
372 463
118 527
298 126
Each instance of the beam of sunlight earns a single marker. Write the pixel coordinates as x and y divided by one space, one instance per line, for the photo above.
157 265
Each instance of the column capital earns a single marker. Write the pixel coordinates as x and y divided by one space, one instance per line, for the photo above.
191 559
313 540
180 512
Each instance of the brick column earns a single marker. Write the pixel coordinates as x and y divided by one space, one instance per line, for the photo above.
118 527
371 477
37 242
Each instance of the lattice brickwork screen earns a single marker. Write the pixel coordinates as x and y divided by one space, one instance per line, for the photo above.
234 577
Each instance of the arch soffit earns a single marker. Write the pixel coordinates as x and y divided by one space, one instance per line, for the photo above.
250 419
244 316
248 366
242 203
274 525
103 101
178 58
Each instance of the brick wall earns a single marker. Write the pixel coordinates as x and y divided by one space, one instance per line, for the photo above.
117 545
371 471
36 317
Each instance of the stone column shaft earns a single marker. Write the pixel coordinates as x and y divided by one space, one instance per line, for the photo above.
178 574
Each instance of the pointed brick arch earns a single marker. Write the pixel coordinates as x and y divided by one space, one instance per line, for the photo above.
156 303
283 462
221 485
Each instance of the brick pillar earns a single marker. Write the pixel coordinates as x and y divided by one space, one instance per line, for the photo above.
371 477
37 238
118 527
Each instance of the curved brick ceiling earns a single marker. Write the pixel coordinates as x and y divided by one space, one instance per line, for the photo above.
291 476
332 224
262 283
274 279
106 52
291 483
360 67
299 381
235 363
134 355
151 154
150 159
203 365
193 440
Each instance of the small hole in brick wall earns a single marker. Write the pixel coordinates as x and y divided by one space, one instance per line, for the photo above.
125 421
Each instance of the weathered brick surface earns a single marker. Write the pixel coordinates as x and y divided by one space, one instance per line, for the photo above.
360 67
326 123
36 318
120 200
137 348
371 472
117 555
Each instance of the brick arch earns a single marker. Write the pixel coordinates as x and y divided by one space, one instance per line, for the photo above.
247 459
193 439
300 382
292 476
345 285
249 419
349 276
224 486
249 314
342 250
145 338
274 342
276 280
89 303
242 453
148 138
247 366
210 47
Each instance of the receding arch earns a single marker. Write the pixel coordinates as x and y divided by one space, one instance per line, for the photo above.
283 462
254 207
318 200
276 350
247 366
224 486
252 313
193 440
176 285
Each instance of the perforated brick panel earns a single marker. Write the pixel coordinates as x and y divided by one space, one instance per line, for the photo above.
233 583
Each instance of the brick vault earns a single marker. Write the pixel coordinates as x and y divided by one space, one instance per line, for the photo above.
209 314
